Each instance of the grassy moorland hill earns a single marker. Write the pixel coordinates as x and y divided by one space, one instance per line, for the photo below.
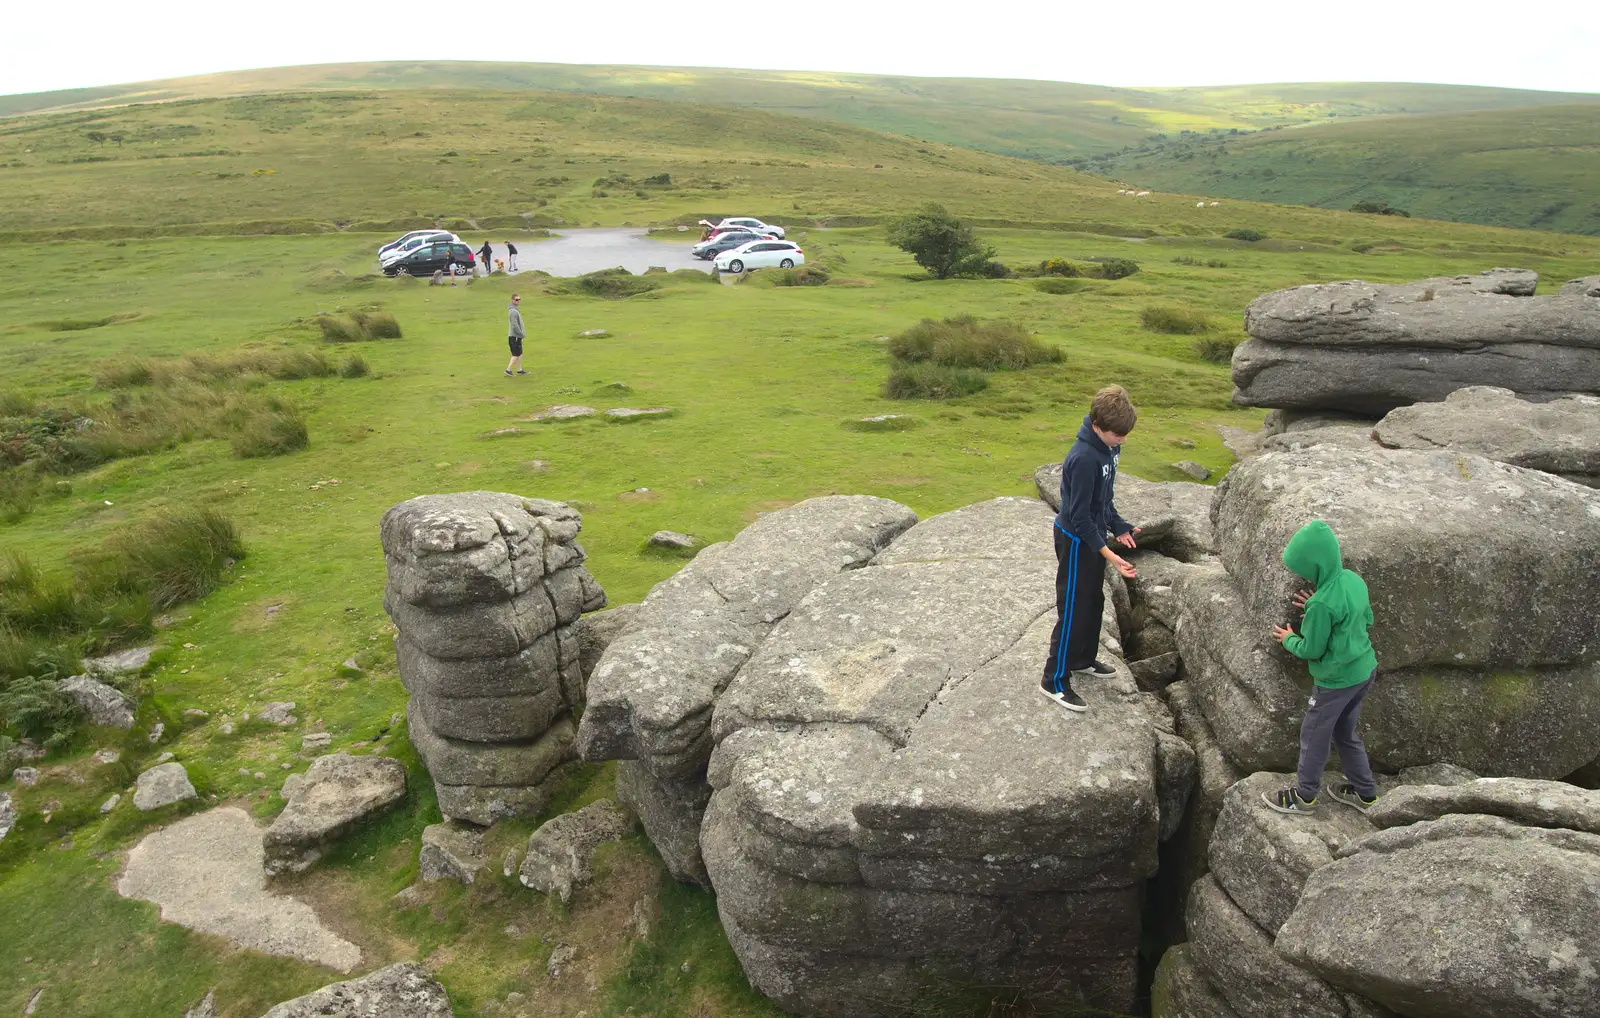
1050 121
1536 167
152 343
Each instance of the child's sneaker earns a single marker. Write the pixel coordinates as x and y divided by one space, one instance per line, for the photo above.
1097 668
1067 698
1347 794
1289 801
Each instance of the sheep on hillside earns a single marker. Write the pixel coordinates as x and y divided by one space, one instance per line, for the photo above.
1215 204
1141 194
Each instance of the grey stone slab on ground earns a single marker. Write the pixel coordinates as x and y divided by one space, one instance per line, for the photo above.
1533 803
1175 515
162 785
563 412
452 851
561 850
100 703
1193 469
1558 437
336 794
205 872
1461 917
399 991
1453 548
131 660
279 713
671 539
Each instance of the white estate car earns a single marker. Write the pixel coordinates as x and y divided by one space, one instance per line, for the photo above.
754 225
761 254
411 241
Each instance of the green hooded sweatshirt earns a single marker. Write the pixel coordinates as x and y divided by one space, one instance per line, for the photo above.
1333 637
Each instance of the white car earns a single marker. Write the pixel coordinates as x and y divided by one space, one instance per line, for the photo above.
761 254
754 225
411 241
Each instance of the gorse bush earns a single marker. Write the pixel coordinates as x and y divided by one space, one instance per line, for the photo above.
927 380
1216 349
1245 233
1058 267
1174 320
964 342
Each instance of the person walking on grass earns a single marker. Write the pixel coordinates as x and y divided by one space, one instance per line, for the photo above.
485 253
1334 644
515 335
511 256
1088 513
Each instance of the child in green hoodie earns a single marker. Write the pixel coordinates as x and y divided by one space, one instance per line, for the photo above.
1333 643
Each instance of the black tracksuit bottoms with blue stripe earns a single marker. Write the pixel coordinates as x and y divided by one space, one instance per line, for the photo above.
1080 601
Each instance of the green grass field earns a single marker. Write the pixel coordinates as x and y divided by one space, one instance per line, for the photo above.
765 383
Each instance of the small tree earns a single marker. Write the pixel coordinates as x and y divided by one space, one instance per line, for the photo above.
118 139
98 137
939 242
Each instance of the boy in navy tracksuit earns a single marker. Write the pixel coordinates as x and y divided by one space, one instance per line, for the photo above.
1088 512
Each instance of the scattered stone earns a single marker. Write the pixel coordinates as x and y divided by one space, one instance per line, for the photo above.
513 859
111 803
502 432
162 785
260 775
33 1003
316 741
166 757
157 730
351 665
336 794
102 704
8 815
207 1008
131 660
280 714
560 851
1558 437
593 334
563 956
226 728
286 766
1584 286
25 777
563 412
196 714
205 872
671 539
408 897
616 387
630 414
399 991
1193 469
452 850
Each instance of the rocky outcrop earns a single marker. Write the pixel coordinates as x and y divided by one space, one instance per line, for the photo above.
1369 348
451 851
162 785
1584 286
1466 915
561 850
486 590
1175 516
1558 437
331 799
101 704
650 698
399 991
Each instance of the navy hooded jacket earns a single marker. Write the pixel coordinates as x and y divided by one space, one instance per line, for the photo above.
1088 482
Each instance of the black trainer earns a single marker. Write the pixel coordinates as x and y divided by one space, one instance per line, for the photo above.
1067 698
1347 794
1097 668
1289 801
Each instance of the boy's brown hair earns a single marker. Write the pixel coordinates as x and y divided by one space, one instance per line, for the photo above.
1113 411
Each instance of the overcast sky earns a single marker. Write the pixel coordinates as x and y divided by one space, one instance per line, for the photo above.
1552 45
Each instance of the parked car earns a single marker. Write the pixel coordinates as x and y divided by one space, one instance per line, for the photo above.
761 254
727 240
755 226
427 259
403 246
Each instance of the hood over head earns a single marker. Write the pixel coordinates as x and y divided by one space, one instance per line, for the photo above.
1313 553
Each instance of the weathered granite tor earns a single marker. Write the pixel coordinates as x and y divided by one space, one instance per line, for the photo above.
1558 437
486 590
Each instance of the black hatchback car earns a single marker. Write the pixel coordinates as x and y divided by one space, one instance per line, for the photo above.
431 258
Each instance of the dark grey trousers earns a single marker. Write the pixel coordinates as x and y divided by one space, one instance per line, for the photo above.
1332 716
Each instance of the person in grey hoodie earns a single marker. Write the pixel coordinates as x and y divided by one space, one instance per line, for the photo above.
515 336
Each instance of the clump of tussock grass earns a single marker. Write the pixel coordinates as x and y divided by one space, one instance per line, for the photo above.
965 342
802 275
84 324
606 284
166 558
1174 321
354 366
1216 349
358 326
1057 285
272 428
928 380
283 365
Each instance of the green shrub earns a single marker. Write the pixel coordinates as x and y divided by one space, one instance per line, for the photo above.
993 270
167 558
355 366
1245 233
1210 263
939 242
1115 268
1379 208
1058 267
1056 285
19 490
34 707
1216 349
964 342
271 431
927 380
1174 320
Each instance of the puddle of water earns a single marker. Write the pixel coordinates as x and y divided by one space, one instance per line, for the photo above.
573 252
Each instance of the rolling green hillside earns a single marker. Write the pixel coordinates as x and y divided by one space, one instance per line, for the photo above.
1045 120
1535 168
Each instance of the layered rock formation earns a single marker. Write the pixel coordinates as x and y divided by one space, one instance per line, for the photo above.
1560 437
486 590
1474 900
1369 348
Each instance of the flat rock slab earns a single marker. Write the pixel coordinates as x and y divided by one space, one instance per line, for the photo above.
1534 803
336 794
671 539
162 785
399 991
1559 437
1462 917
623 413
563 412
1175 516
205 872
121 662
452 851
102 704
560 851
